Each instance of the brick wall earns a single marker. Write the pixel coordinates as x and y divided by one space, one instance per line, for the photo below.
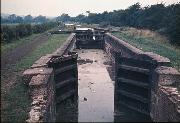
40 79
165 97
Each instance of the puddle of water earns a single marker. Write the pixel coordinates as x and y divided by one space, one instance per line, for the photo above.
96 93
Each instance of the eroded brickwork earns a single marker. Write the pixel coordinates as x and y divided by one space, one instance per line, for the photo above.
165 97
164 101
40 79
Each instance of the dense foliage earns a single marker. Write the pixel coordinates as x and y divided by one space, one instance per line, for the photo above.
26 19
13 32
160 18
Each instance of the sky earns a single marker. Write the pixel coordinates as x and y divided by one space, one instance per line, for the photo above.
71 7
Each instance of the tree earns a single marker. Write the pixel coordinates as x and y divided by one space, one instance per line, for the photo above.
19 19
40 19
12 18
64 17
80 18
28 19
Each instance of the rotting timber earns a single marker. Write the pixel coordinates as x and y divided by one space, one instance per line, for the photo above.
144 81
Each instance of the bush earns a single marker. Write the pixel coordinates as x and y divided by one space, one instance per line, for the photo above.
14 32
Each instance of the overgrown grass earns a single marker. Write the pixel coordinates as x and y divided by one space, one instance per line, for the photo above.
151 42
16 101
54 42
13 44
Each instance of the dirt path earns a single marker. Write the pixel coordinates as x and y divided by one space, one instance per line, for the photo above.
10 58
15 55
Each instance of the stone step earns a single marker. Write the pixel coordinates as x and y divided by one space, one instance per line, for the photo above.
136 69
133 96
66 68
133 82
135 108
65 82
65 95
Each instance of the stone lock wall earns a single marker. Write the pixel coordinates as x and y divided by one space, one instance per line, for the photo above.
165 100
165 80
115 45
165 97
40 79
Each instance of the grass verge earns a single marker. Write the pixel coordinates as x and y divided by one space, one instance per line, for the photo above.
13 44
9 46
15 102
54 42
151 42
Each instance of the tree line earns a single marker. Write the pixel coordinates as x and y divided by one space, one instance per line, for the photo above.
160 18
26 19
10 33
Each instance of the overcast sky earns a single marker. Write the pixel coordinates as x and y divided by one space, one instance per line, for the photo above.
71 7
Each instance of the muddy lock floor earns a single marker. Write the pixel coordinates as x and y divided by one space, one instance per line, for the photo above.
96 89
